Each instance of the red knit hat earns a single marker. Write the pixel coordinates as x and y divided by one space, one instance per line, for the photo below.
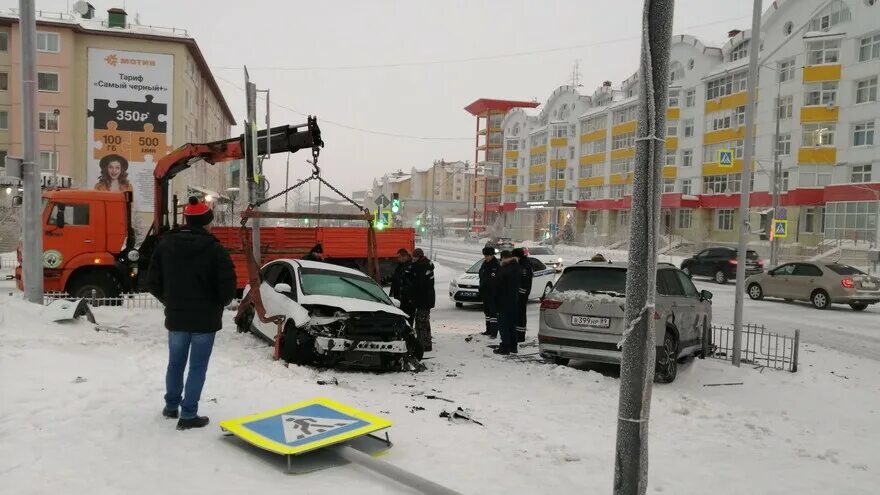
197 212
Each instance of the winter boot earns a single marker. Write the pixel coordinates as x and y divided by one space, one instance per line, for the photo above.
501 350
520 334
170 413
196 422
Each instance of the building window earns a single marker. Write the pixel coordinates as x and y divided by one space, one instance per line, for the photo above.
670 158
688 128
836 13
821 134
710 151
538 159
617 191
863 134
511 145
621 141
4 81
537 178
722 184
823 52
869 48
813 221
48 42
674 96
571 152
676 72
560 131
814 175
621 166
594 124
686 186
672 129
860 173
690 98
47 81
785 70
48 161
48 121
685 219
726 85
627 114
668 185
740 51
785 180
593 192
4 41
866 90
687 158
4 124
593 218
623 217
783 144
723 219
824 93
852 220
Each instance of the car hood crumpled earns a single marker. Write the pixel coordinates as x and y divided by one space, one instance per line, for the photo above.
351 305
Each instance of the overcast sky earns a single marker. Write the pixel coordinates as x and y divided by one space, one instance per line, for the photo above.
416 100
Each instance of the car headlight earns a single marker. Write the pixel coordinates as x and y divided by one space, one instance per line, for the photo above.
559 260
453 285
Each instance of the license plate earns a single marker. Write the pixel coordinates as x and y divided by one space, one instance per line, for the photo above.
590 321
469 293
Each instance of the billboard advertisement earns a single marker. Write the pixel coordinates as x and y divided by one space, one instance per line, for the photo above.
129 120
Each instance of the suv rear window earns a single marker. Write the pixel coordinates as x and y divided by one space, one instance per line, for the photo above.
844 269
593 278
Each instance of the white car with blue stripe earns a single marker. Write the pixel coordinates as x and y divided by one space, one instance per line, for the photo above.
546 255
466 288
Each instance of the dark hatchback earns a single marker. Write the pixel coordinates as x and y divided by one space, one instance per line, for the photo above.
719 263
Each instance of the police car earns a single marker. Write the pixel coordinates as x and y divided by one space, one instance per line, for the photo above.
466 288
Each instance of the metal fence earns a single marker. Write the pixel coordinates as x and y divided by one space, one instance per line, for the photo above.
128 301
758 347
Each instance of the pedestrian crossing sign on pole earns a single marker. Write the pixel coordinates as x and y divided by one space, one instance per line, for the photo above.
780 229
725 158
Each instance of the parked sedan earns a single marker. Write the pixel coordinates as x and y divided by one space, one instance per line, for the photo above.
466 288
822 284
583 317
332 316
720 264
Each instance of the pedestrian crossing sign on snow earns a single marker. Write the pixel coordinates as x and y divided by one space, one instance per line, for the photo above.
780 229
725 158
303 427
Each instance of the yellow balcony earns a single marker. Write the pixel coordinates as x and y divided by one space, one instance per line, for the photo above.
820 113
510 188
593 136
670 172
557 184
538 169
823 155
724 135
618 179
512 154
816 73
623 153
592 159
624 128
673 113
534 150
726 102
536 187
672 143
511 171
714 168
591 181
559 141
559 163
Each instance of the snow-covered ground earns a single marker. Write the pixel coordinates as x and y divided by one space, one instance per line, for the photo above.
80 413
837 328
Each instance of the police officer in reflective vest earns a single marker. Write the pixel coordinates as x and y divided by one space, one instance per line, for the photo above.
488 288
525 289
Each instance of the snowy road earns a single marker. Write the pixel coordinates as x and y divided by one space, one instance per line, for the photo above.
837 328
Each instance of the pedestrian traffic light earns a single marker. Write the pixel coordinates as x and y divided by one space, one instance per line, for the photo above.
395 202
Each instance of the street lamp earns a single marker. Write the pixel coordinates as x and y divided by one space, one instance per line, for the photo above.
56 113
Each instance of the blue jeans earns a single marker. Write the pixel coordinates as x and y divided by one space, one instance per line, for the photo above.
198 347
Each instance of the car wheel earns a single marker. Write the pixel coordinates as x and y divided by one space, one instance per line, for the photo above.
820 300
667 360
97 288
687 271
547 290
755 292
720 277
858 306
459 305
561 361
298 346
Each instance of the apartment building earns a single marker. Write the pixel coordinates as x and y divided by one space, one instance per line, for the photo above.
819 68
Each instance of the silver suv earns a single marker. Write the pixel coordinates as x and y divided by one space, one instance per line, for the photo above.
583 317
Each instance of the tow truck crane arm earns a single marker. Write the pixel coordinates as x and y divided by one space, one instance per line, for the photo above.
282 139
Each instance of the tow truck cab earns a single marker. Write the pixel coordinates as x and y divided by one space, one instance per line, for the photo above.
88 243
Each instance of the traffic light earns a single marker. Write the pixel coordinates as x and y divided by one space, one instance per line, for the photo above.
395 203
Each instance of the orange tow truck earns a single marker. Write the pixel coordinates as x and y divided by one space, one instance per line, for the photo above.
89 245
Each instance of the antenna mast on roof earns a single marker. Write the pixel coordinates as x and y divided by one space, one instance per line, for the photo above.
575 74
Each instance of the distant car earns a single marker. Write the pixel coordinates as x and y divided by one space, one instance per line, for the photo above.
332 316
465 289
822 284
583 317
546 255
720 264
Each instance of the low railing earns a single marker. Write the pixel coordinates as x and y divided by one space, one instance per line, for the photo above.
758 347
142 300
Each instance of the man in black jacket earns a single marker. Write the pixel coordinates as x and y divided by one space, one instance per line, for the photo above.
525 289
420 291
488 285
507 297
399 281
193 276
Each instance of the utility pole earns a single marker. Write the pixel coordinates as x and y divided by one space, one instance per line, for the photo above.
31 225
748 155
638 348
287 183
254 179
57 163
433 191
777 176
555 220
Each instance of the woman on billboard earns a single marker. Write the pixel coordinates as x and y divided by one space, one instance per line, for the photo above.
114 174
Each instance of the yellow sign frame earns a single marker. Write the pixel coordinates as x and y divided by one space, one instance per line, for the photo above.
773 234
725 165
236 426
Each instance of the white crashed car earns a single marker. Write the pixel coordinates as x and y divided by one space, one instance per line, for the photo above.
466 288
546 255
333 316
